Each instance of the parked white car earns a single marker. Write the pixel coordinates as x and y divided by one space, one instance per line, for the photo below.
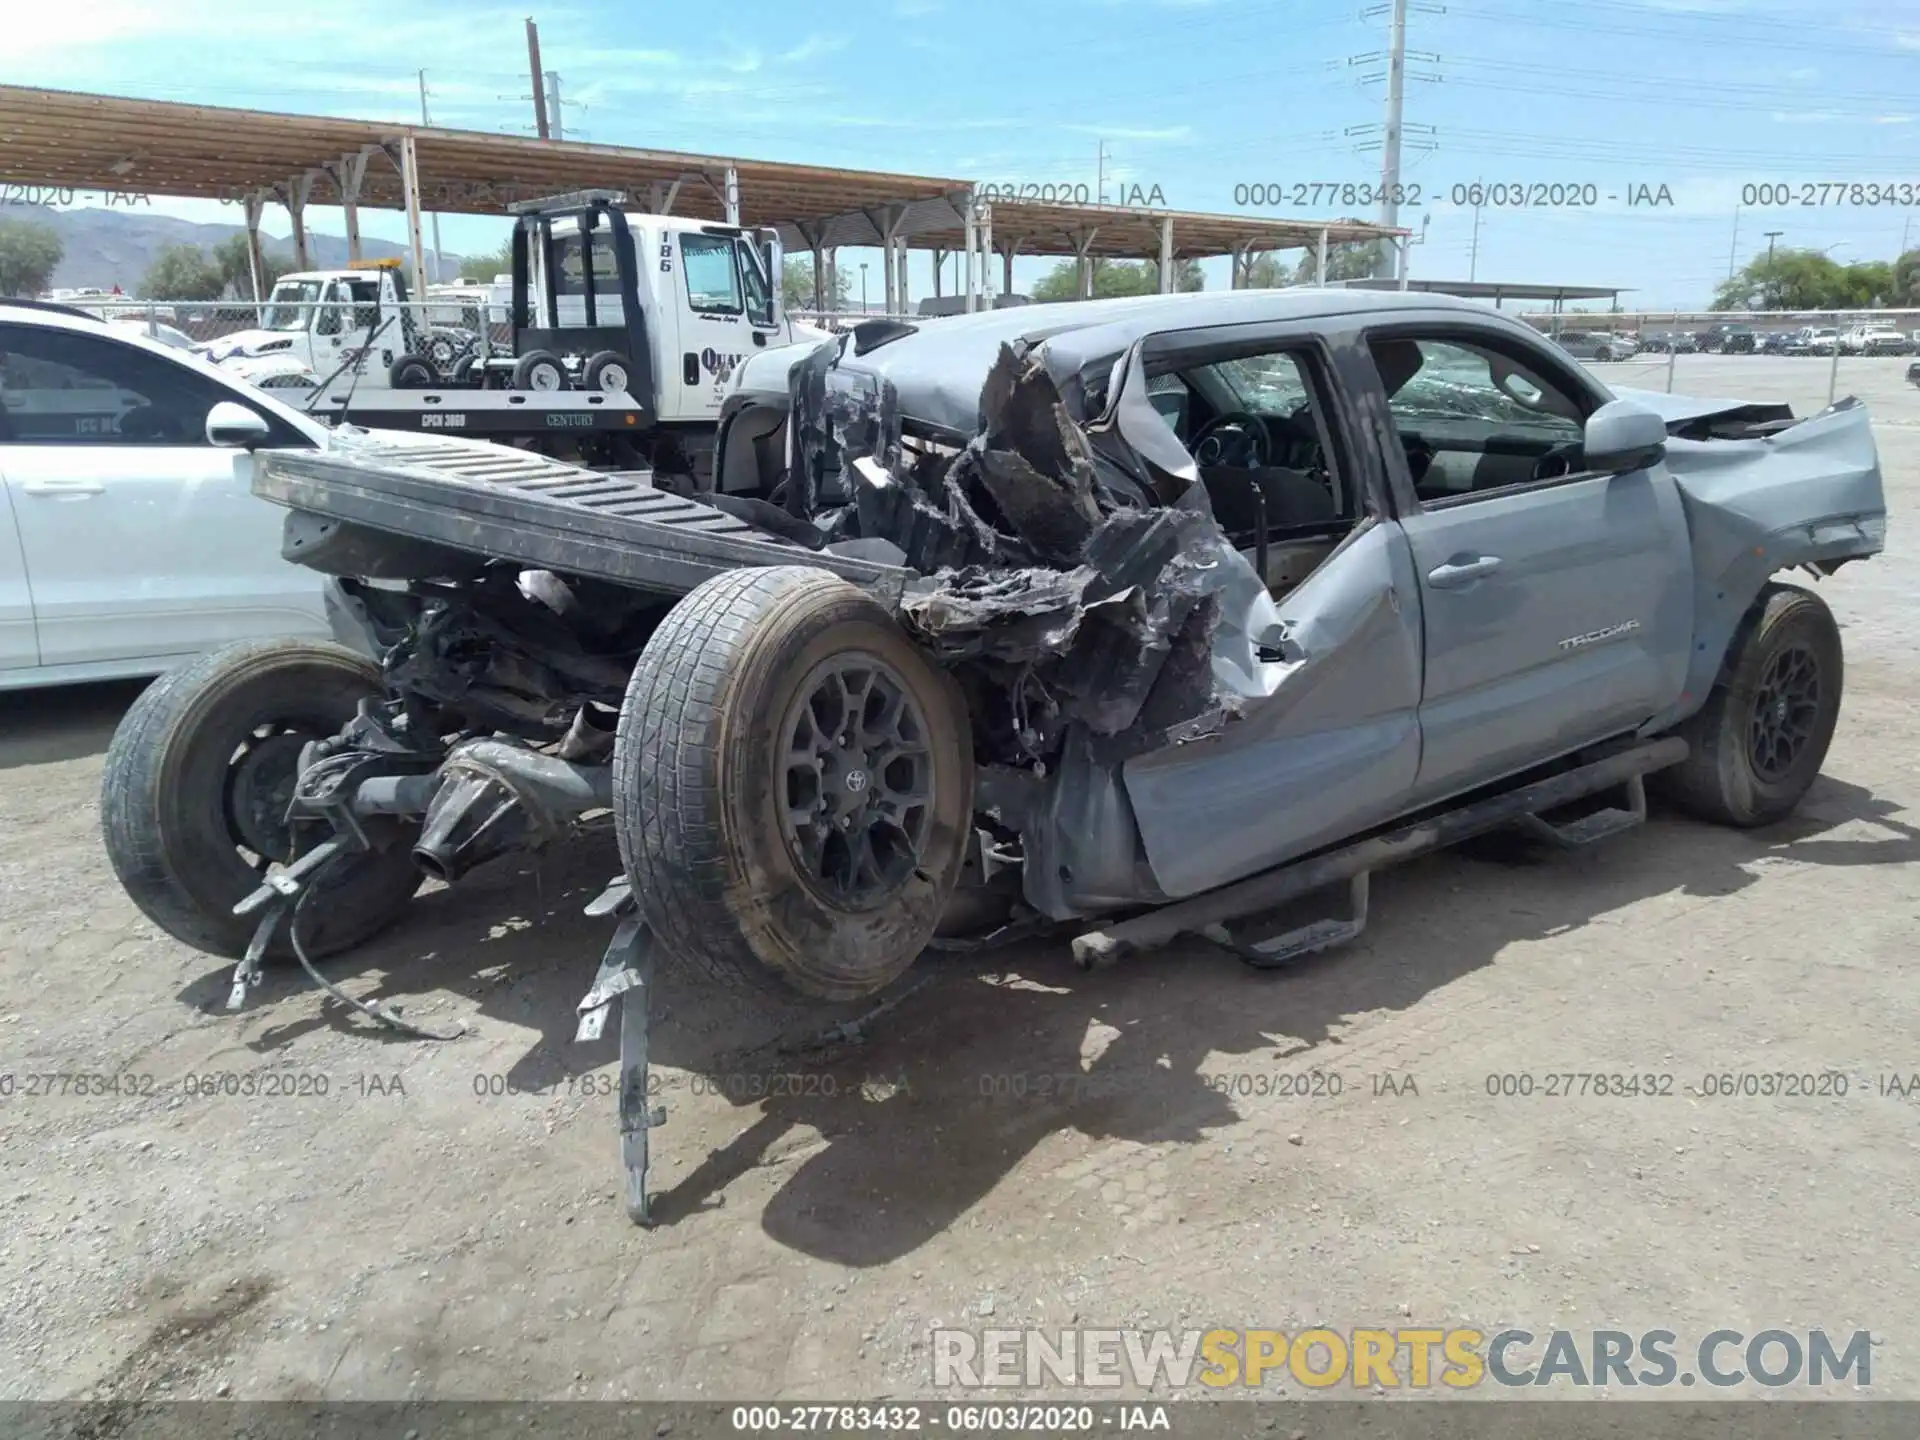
128 540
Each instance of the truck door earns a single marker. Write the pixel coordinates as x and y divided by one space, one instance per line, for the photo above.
1556 603
353 325
374 322
327 332
713 334
1326 741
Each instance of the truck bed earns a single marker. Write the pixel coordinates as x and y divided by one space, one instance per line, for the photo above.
509 504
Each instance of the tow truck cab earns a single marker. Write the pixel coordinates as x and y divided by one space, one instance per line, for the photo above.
661 306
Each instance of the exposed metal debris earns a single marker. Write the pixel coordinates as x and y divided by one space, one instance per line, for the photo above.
1055 586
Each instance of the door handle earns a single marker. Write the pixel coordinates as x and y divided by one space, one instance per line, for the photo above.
57 488
1461 572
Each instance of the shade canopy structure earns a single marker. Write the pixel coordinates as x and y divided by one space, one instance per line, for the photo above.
106 143
1499 290
1126 232
111 143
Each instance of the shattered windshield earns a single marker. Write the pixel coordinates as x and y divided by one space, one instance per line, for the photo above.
1456 382
290 305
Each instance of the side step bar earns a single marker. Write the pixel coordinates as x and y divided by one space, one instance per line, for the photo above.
1595 827
1272 888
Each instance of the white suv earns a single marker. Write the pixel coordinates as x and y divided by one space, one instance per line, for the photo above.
130 540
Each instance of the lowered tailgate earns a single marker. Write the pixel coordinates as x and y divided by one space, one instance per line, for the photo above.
511 505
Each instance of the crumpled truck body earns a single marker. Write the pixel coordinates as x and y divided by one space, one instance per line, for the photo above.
1153 715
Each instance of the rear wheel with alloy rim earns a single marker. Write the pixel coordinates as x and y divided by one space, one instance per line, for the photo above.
1759 741
793 784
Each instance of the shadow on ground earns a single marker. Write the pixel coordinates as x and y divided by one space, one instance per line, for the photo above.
993 1054
64 722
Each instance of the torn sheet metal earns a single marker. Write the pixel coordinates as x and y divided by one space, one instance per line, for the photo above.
1687 414
1049 569
1071 578
1807 495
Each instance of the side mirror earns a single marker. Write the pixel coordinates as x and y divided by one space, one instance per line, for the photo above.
1622 436
235 426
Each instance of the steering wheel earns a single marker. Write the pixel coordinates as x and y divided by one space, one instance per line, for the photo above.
1557 462
1235 437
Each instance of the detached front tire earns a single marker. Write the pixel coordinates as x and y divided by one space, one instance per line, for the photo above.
1759 741
194 795
793 784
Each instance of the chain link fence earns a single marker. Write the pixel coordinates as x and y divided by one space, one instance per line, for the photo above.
438 329
1822 355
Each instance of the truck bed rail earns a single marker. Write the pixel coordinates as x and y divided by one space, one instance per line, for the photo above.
509 504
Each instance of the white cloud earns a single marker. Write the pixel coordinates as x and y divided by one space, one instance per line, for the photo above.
1125 132
39 32
812 48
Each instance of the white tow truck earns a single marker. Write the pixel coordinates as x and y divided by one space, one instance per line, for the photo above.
352 321
619 334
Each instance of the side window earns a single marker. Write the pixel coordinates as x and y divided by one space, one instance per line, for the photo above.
759 298
570 263
62 388
712 274
1258 434
1169 395
364 296
331 314
1474 419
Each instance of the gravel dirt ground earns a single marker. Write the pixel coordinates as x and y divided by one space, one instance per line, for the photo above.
406 1219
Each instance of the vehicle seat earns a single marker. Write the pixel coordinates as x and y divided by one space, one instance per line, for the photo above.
1293 498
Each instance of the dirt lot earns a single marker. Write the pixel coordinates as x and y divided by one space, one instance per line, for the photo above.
444 1220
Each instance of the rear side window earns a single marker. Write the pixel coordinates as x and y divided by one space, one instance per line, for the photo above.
712 276
570 259
59 387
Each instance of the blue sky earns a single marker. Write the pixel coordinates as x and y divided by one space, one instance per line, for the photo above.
1195 96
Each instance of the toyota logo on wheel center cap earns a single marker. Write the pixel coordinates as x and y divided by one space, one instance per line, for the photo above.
856 781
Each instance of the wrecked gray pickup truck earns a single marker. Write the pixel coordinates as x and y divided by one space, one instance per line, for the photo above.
1160 616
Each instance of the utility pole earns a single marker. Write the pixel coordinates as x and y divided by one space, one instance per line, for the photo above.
539 91
1733 246
1473 252
554 128
1100 176
1390 136
1772 235
426 119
